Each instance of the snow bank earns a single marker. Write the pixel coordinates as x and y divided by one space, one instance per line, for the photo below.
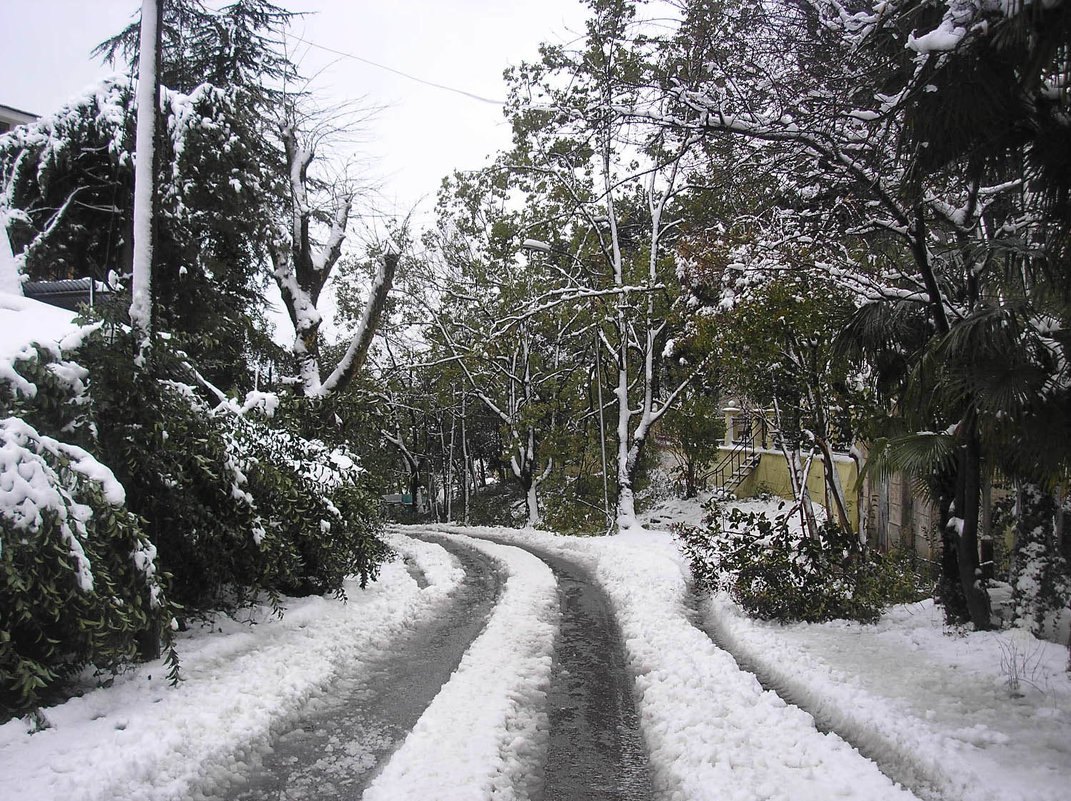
710 729
943 712
142 739
484 734
958 715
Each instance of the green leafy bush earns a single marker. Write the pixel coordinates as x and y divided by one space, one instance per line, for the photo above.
79 580
127 497
778 573
573 504
234 504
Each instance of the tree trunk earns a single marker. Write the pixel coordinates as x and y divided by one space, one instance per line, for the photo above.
834 489
465 455
414 493
966 526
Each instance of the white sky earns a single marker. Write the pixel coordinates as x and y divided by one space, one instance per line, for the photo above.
422 135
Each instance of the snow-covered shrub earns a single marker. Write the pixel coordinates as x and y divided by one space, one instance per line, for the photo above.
79 581
659 485
314 505
497 504
234 503
775 571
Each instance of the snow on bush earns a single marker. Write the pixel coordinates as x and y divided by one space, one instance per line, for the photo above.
235 502
78 578
118 484
775 571
1041 573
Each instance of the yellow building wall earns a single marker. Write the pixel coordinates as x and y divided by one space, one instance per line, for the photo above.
771 474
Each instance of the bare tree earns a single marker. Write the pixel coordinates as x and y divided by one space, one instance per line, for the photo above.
305 254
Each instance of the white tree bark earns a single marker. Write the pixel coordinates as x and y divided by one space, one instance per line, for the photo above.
302 268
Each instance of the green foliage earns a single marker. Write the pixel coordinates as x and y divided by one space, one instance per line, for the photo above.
777 573
572 504
69 181
497 504
239 44
235 506
124 484
79 578
693 430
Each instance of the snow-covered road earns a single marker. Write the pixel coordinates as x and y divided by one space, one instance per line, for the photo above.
711 732
595 747
330 698
334 751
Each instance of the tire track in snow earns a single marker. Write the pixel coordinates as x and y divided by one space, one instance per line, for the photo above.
484 734
712 733
595 750
894 762
335 751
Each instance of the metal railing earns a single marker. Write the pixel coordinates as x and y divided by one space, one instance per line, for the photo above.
739 461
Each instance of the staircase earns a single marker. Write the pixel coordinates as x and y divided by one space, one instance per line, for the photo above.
736 478
736 466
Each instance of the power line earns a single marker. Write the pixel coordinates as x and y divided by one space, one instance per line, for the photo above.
402 74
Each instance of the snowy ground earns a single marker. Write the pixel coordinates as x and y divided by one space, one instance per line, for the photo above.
932 706
142 739
710 730
959 715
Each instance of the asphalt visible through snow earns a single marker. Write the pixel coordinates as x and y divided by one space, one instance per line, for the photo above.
595 750
337 748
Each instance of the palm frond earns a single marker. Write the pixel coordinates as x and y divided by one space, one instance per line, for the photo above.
927 457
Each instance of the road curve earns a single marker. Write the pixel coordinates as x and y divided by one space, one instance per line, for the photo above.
594 748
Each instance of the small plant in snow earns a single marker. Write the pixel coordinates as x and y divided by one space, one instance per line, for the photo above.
1020 663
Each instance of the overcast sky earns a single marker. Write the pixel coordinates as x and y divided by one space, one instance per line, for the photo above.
422 134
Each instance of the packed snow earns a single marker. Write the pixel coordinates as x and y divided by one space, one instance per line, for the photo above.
711 731
954 715
957 714
464 748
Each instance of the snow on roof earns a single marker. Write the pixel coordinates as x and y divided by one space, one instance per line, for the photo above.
23 321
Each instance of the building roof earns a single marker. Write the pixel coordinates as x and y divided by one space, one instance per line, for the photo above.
67 294
16 116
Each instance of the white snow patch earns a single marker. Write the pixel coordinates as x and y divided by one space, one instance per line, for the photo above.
24 321
485 731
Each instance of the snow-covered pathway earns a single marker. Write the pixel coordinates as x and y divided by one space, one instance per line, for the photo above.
709 730
333 752
595 748
937 712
